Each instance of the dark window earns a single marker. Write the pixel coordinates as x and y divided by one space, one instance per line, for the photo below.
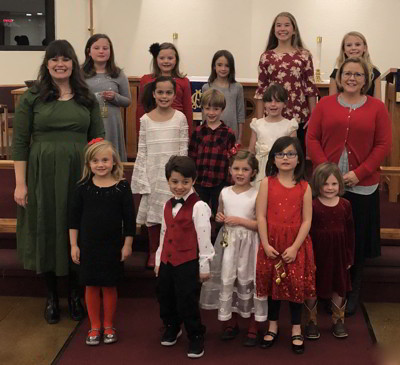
26 25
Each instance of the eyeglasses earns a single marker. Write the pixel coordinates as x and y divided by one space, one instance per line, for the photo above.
289 155
357 75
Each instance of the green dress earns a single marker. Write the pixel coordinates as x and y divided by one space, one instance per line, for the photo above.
51 137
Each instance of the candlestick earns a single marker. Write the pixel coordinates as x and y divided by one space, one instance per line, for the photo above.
318 60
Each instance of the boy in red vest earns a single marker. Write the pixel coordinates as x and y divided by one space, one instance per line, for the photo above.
183 257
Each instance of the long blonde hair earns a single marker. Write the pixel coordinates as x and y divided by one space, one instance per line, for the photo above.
342 56
296 41
91 150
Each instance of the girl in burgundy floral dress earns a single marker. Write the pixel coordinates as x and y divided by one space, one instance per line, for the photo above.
286 62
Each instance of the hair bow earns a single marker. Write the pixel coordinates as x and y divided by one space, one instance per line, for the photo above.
234 150
155 49
95 140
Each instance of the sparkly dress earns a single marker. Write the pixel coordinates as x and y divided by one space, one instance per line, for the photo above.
231 287
332 233
284 218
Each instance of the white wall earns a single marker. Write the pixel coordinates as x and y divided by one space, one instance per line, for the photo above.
204 26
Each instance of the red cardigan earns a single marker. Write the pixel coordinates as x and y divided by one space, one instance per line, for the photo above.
365 132
182 102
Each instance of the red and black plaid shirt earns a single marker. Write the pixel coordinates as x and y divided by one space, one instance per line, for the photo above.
209 149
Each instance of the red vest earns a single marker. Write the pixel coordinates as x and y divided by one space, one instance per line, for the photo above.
180 240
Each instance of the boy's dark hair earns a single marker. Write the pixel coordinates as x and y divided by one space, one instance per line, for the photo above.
277 92
279 145
182 164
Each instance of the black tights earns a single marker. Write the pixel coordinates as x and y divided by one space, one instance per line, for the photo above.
73 282
274 307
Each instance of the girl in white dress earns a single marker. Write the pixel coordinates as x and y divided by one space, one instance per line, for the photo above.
163 133
231 287
267 130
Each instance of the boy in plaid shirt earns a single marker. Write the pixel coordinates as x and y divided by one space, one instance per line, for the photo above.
209 146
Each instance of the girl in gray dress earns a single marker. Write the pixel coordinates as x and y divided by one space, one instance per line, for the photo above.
110 85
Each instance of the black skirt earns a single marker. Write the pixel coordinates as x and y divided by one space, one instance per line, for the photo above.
367 224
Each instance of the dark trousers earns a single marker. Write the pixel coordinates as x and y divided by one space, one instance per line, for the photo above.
178 295
274 307
210 195
301 135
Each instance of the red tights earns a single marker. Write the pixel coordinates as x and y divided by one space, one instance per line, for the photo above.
93 303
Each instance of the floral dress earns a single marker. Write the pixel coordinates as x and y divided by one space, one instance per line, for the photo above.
295 72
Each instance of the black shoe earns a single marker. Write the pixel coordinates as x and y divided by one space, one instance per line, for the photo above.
298 349
264 344
196 347
250 340
230 333
171 335
75 307
52 309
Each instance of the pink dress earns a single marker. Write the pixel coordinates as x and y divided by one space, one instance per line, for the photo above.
284 218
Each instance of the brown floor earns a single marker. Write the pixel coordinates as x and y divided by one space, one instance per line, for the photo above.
26 339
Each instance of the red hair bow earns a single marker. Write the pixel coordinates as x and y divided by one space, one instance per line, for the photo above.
234 150
95 140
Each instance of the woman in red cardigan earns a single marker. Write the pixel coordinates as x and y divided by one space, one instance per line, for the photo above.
354 131
166 63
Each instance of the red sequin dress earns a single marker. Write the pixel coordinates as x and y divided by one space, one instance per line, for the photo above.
284 217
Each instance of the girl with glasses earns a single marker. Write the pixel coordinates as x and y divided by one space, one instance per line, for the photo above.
285 268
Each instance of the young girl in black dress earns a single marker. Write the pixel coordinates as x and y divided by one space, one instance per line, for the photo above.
101 214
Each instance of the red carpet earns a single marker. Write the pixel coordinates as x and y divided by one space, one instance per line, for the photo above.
139 330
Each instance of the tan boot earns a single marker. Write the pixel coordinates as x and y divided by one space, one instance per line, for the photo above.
311 330
338 329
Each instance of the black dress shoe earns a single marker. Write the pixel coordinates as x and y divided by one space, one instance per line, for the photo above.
52 309
75 307
298 349
264 344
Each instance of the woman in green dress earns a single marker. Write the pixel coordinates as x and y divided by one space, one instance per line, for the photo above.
54 121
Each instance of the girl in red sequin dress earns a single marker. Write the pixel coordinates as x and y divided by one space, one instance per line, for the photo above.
285 267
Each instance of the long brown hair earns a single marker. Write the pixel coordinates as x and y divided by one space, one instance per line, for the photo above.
296 41
88 66
156 50
47 88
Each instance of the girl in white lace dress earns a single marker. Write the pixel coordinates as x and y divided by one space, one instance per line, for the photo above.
163 133
267 130
231 287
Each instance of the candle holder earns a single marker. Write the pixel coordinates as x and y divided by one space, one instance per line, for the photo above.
318 61
318 79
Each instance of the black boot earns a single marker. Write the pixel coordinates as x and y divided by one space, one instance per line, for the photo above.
75 307
52 309
353 297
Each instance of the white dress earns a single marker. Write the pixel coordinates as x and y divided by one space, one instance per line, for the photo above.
231 286
158 141
267 133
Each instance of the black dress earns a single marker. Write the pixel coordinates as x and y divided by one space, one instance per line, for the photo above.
103 216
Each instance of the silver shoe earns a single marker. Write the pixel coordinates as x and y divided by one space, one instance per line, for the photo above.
93 340
110 337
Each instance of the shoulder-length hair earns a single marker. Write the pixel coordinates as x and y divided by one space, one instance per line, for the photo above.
231 64
175 72
48 89
321 174
88 66
342 55
148 101
296 41
118 169
279 145
367 74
